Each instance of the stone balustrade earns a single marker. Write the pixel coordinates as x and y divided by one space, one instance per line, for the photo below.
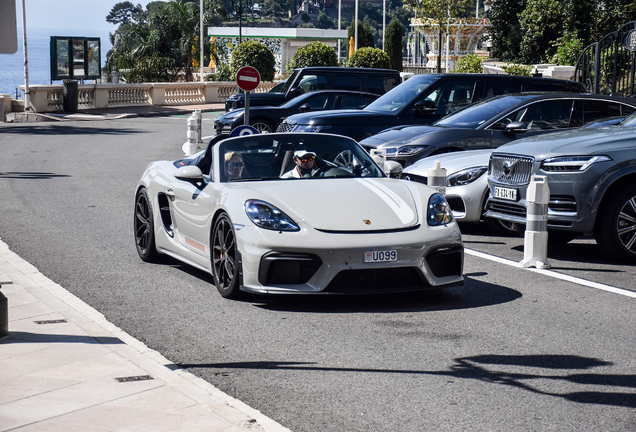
50 98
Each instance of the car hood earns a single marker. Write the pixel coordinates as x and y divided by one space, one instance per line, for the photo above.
344 205
399 135
576 142
453 162
333 117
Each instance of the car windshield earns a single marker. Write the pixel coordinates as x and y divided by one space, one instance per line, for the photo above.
275 156
475 115
293 102
402 95
629 121
285 87
278 87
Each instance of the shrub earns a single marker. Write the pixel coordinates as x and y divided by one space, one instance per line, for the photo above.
569 48
370 58
314 54
515 69
223 73
252 53
469 64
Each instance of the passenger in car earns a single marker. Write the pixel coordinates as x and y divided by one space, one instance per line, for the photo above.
305 164
234 165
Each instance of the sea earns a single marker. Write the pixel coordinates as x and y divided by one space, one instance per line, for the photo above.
38 50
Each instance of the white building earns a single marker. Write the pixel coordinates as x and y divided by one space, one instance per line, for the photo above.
284 42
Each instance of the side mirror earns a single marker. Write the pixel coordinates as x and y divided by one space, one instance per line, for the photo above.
424 107
392 169
304 108
516 126
294 92
190 173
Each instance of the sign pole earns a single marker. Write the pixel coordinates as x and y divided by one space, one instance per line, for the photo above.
246 114
26 59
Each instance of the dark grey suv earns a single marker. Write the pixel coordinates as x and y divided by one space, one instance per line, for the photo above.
592 178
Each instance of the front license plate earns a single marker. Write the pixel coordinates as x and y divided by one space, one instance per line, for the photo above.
380 256
505 193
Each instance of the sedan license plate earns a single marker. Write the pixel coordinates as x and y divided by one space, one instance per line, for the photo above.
380 256
505 193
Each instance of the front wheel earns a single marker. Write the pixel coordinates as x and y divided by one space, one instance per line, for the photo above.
225 266
262 126
615 228
144 227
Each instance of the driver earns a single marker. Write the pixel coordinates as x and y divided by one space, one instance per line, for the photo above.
305 164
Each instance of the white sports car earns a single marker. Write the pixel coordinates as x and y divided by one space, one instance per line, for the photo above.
336 225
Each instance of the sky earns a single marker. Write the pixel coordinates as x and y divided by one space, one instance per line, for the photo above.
69 14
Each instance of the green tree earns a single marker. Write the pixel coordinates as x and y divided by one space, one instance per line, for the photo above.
314 54
542 23
124 12
367 57
252 53
365 38
393 43
505 29
323 21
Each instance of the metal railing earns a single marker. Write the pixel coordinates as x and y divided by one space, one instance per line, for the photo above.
607 66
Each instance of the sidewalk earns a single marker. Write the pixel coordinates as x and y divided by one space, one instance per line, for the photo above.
63 366
114 113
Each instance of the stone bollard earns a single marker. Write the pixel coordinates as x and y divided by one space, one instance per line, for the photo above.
535 245
190 146
379 157
437 178
198 117
4 315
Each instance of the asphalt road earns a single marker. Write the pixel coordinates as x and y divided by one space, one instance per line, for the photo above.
512 349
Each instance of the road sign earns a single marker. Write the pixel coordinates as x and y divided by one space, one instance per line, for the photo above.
248 78
243 130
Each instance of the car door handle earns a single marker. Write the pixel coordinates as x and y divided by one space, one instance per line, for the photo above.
170 193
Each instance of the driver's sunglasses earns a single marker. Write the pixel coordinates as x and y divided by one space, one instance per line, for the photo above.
235 165
307 158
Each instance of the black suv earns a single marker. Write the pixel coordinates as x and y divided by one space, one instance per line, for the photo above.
308 79
422 99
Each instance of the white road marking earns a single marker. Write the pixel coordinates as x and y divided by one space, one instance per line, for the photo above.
554 274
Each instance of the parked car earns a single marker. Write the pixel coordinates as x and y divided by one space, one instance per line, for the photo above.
496 121
591 174
422 99
304 80
267 119
343 228
466 184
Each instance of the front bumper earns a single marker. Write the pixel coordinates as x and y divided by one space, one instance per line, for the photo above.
323 263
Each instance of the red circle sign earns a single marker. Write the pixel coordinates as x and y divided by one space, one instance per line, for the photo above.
248 78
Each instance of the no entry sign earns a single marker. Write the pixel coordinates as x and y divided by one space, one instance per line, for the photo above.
248 78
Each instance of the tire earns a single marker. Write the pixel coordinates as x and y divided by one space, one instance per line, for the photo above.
224 257
615 227
144 226
262 126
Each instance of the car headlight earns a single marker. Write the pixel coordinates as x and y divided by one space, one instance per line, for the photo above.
439 212
411 150
232 114
571 163
267 216
466 176
311 128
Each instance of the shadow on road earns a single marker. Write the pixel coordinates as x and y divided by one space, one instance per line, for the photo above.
67 129
538 379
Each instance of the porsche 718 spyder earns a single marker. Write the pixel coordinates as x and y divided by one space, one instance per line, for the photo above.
339 225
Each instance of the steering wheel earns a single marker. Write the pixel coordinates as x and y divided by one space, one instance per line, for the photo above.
320 171
344 159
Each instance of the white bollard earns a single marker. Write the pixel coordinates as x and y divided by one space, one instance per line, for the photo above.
437 178
535 245
190 146
197 115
